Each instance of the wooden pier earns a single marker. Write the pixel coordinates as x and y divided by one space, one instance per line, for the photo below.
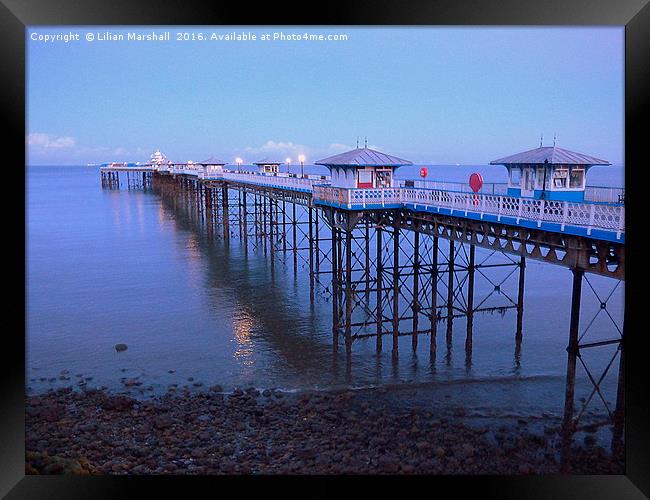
400 261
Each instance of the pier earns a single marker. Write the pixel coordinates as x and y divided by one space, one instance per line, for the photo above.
401 258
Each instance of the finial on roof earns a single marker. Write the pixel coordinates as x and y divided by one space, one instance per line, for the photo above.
541 138
357 142
554 137
366 143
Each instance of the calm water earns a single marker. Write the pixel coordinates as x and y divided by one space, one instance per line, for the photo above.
107 267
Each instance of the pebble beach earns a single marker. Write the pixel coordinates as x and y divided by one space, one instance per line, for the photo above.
95 431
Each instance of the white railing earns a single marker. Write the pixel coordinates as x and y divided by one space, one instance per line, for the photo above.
486 188
610 217
273 180
592 215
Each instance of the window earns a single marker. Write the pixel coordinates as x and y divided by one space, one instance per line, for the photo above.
365 178
560 176
577 178
540 177
515 177
383 178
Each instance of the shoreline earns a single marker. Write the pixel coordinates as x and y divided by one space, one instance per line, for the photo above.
96 431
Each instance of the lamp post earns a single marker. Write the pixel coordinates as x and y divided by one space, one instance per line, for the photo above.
239 161
288 160
301 159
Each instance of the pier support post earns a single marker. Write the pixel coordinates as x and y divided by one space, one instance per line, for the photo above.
520 299
225 210
335 288
415 306
470 299
295 239
310 222
434 298
573 353
450 293
380 284
396 234
245 221
349 293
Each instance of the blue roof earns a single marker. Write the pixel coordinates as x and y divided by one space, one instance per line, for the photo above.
363 157
266 161
212 161
554 155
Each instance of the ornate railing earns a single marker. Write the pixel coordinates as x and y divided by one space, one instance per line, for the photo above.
591 215
607 216
273 180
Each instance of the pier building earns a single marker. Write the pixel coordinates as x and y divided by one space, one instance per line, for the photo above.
213 165
550 173
267 166
363 168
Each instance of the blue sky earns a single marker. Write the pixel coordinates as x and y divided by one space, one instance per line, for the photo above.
431 95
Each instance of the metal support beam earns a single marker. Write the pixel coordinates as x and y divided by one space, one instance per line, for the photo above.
573 353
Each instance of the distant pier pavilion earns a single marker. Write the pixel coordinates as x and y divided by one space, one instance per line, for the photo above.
213 165
363 168
550 173
267 166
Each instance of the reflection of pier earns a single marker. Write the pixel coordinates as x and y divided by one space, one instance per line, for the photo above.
399 261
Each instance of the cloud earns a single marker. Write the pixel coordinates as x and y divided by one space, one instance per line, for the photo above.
49 141
338 148
279 150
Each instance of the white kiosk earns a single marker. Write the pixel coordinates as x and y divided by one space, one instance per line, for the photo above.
213 165
266 166
550 173
363 168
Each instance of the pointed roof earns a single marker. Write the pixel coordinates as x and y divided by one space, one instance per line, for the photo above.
212 161
266 161
553 154
363 157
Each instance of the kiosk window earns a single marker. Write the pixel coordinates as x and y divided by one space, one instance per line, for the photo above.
560 177
515 177
577 177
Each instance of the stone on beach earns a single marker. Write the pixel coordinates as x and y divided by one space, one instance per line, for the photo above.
121 347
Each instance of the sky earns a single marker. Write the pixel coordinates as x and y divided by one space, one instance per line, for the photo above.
434 95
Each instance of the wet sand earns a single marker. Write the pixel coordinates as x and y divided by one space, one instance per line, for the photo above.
94 431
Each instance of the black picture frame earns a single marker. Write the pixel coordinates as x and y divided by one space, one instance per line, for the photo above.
16 15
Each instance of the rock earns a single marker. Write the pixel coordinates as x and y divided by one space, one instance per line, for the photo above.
467 450
118 403
387 464
306 453
216 388
163 422
121 347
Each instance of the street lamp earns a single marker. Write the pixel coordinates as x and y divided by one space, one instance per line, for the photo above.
288 160
301 159
239 161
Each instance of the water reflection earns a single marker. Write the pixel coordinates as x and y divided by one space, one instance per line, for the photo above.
242 326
